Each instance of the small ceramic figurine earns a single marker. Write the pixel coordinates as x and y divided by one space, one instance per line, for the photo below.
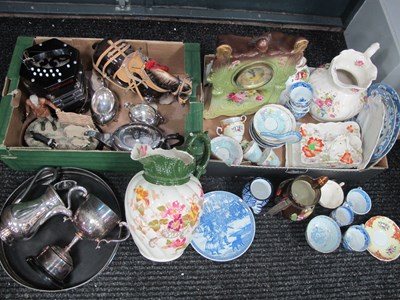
248 73
40 108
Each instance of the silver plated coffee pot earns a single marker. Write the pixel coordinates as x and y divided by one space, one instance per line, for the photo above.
22 219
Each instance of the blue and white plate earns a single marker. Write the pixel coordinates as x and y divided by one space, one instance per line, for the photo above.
323 234
391 126
226 229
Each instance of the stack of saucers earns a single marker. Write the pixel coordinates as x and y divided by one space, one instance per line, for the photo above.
273 126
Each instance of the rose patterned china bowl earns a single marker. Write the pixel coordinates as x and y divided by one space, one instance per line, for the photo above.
273 119
227 149
384 238
323 234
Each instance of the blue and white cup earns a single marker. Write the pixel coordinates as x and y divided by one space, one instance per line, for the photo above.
356 238
301 93
257 193
358 201
343 216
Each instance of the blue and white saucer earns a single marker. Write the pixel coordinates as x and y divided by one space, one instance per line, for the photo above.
391 126
226 229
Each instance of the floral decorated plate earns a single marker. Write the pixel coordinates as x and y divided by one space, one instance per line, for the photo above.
385 238
227 149
391 126
226 228
333 144
323 234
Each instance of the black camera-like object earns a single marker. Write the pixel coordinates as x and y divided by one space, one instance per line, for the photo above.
53 70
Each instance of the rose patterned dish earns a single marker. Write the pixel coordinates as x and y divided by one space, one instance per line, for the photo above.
227 227
333 144
385 238
391 125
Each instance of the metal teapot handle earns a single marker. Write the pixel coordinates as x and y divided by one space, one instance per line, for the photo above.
127 235
196 143
40 175
73 190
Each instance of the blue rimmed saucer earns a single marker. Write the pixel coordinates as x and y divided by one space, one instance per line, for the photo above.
226 229
391 126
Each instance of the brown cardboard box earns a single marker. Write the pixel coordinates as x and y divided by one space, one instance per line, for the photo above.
218 168
182 59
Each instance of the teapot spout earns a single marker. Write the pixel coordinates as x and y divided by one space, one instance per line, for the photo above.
372 49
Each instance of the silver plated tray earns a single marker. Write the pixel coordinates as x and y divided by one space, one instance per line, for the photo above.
88 261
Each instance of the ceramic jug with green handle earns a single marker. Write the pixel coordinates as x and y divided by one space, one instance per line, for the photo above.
164 202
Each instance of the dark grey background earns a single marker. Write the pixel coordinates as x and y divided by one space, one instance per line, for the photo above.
330 13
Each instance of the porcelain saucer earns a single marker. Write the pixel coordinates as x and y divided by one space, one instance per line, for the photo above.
323 234
385 238
227 149
262 143
226 229
275 119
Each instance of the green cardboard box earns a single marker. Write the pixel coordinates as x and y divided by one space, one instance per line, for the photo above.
182 58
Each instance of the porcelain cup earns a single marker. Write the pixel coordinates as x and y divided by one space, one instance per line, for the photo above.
343 216
358 201
356 238
232 127
257 193
301 93
332 195
269 158
252 152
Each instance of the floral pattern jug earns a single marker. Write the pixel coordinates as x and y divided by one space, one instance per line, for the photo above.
164 202
340 87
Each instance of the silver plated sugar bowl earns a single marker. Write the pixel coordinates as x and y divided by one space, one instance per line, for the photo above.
144 113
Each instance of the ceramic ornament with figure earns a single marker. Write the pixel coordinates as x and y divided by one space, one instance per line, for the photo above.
44 128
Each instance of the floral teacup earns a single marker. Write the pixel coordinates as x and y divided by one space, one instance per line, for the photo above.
232 127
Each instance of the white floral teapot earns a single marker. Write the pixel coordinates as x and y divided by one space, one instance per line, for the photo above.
340 87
